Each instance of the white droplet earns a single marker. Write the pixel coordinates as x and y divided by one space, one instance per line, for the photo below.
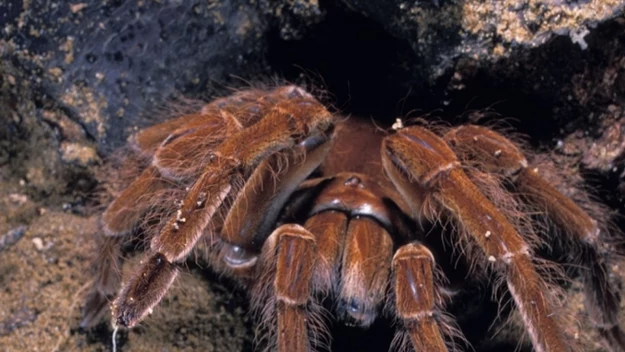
398 125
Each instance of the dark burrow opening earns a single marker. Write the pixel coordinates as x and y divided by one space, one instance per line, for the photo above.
364 71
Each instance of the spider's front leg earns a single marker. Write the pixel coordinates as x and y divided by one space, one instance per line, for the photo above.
428 174
416 302
496 154
288 259
275 153
179 149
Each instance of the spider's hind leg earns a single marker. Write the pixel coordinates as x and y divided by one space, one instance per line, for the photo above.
580 232
585 237
417 161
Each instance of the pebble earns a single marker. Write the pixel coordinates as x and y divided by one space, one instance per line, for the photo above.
38 242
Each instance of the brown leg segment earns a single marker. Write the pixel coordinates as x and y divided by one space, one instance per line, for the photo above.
148 286
295 255
246 105
119 219
501 243
144 291
124 213
186 151
602 299
108 277
497 154
183 230
253 213
415 301
127 210
416 155
149 139
287 124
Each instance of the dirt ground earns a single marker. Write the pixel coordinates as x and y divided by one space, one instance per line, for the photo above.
45 275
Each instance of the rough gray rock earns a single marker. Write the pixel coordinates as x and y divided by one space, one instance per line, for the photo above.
441 31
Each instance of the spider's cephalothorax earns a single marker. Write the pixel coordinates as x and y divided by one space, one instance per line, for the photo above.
300 206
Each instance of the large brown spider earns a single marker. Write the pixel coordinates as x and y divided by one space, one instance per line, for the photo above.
232 181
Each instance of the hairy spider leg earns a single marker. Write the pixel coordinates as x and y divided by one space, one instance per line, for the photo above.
289 256
119 220
416 303
286 124
172 151
497 154
417 160
184 152
602 298
284 302
247 105
182 147
108 263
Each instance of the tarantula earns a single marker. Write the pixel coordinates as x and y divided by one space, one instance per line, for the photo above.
299 206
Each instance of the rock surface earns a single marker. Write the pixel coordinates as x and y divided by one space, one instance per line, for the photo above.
442 31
